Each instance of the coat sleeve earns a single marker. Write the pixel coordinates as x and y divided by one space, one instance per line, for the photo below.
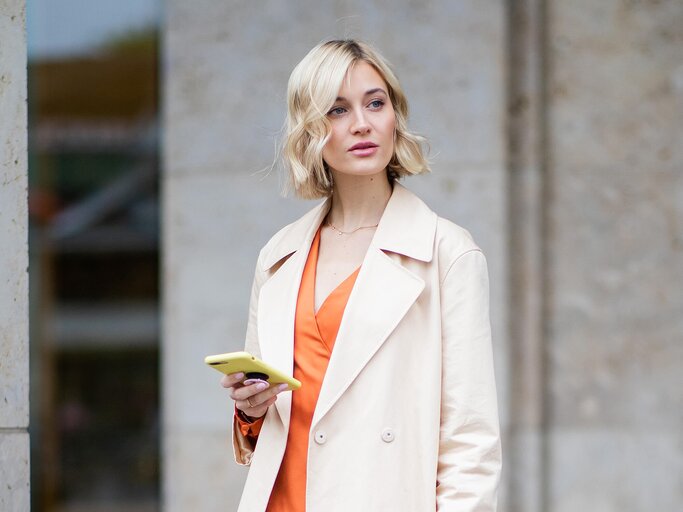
469 461
242 446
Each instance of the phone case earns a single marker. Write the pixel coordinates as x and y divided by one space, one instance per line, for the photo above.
252 367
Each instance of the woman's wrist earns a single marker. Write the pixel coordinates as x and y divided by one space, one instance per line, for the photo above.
245 418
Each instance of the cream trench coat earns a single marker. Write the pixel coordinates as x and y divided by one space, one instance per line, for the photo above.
407 417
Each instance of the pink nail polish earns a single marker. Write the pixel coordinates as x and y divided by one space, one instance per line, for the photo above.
283 386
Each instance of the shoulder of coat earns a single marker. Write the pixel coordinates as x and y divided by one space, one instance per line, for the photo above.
290 238
452 241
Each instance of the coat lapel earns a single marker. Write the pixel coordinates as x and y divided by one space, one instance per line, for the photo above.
277 303
383 293
278 296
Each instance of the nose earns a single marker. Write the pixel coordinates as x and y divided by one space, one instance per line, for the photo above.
360 123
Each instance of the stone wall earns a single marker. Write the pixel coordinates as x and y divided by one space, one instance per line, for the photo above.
596 118
14 410
555 130
615 255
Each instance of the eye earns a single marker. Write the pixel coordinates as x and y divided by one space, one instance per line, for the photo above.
336 111
376 104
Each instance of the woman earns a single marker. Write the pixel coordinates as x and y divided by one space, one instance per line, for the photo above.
378 306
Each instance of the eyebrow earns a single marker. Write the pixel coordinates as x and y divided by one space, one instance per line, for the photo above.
367 93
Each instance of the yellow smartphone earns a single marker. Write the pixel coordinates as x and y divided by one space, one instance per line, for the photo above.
251 366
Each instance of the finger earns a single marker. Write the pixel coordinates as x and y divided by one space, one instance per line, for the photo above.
228 381
247 391
260 398
261 410
257 410
249 397
256 405
268 393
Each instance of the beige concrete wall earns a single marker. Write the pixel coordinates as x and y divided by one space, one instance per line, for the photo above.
14 411
596 120
615 255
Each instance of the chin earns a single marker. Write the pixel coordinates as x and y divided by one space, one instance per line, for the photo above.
362 173
365 170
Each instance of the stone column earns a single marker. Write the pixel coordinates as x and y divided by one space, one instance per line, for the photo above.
615 259
596 116
525 454
14 409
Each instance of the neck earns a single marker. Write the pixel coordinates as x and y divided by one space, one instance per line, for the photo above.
358 200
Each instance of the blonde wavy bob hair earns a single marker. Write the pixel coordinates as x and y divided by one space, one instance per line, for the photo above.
312 90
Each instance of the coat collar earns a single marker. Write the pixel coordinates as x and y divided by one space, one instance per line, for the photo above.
407 227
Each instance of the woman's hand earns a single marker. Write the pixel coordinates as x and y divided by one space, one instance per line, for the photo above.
252 397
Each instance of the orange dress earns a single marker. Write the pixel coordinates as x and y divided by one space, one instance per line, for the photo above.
314 337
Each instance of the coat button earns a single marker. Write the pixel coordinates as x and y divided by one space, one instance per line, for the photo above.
320 437
388 435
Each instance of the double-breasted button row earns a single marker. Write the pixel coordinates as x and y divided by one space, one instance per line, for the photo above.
387 436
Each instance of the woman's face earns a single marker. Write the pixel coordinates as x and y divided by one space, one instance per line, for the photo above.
363 122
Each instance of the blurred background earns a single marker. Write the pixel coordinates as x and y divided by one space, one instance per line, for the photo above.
93 94
556 130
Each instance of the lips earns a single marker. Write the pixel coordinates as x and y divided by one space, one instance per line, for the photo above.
363 145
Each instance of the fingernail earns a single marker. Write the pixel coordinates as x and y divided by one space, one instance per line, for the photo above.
282 387
239 375
261 386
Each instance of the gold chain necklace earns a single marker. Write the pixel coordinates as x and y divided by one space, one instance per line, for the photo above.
340 232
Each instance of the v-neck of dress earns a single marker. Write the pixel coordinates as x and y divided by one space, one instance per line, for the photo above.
315 249
340 288
335 301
